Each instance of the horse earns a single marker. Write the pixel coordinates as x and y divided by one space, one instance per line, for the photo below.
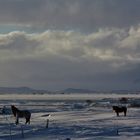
21 114
118 109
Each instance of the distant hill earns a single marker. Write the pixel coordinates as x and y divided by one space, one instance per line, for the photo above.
27 90
74 90
21 90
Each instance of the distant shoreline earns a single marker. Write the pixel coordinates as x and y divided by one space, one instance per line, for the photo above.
64 96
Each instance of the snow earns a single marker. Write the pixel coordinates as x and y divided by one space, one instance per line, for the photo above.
69 116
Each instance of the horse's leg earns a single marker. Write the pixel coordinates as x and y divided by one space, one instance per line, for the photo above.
117 114
27 121
27 117
17 120
124 113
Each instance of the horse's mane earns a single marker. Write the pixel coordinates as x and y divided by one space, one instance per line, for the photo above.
118 107
14 110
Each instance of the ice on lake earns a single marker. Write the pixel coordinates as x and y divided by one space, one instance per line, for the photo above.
74 117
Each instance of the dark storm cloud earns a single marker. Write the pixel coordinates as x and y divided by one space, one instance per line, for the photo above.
71 14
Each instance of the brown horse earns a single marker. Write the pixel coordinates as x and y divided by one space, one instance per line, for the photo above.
21 114
118 110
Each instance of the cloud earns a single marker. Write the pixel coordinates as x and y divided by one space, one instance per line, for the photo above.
106 44
70 43
73 46
84 15
107 58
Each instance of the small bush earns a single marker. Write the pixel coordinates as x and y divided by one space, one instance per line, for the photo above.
89 102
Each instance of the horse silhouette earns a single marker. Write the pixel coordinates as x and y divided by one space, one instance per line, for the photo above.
21 114
118 110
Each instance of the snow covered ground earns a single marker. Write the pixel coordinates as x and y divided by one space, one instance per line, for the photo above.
71 117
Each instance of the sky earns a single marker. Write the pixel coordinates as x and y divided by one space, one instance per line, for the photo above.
59 44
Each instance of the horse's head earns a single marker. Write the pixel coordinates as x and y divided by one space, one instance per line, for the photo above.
14 110
114 107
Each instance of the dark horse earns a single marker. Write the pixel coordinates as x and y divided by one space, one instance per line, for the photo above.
118 109
21 114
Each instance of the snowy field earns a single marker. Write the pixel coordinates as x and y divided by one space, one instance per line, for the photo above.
71 117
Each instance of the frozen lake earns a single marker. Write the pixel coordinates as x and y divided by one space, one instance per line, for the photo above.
73 116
